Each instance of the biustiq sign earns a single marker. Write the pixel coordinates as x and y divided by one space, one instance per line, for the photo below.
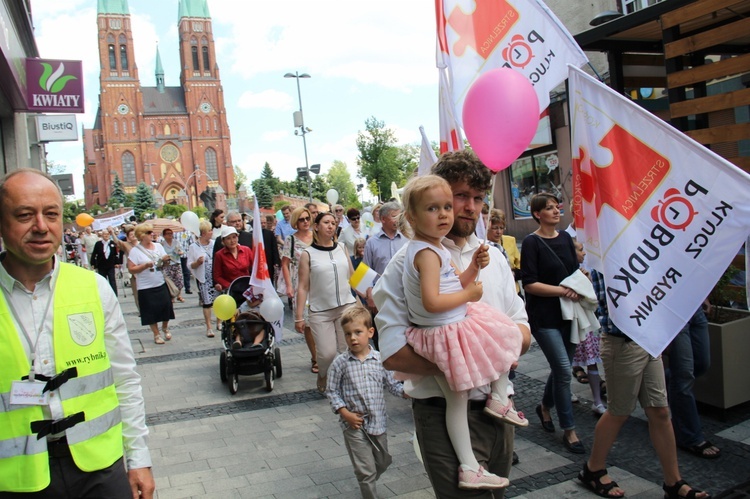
54 86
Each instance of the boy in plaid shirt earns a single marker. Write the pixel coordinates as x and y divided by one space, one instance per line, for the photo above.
355 390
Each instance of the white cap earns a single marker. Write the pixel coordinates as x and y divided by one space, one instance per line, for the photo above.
227 230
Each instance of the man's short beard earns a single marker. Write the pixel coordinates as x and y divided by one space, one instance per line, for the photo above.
460 228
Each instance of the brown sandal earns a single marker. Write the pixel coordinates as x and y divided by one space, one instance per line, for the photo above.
159 340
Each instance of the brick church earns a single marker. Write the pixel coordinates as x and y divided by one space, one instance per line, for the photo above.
175 139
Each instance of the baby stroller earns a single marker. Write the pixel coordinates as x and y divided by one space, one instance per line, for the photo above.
250 359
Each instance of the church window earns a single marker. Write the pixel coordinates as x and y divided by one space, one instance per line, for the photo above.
182 129
167 129
205 58
199 124
196 66
125 127
116 127
128 169
153 130
211 164
132 126
110 38
112 57
115 23
208 126
216 125
124 57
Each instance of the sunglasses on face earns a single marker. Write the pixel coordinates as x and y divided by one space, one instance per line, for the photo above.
150 232
339 211
354 219
303 219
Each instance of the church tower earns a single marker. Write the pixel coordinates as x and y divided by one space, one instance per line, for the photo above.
175 139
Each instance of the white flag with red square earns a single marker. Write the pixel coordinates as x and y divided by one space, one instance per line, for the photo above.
660 215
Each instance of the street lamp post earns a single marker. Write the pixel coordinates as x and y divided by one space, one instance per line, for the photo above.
195 184
302 130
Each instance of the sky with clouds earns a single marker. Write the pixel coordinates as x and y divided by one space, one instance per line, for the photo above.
365 59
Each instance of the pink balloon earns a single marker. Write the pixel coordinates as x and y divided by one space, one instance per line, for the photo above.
500 115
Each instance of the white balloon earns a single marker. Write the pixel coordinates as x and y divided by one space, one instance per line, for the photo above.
332 196
190 221
272 309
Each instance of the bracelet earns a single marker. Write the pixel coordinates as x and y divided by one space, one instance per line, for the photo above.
299 320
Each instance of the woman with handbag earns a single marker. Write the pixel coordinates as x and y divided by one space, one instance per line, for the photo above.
324 272
200 263
294 245
173 269
547 258
145 262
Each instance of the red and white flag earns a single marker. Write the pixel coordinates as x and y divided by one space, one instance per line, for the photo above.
260 279
660 215
475 36
451 138
427 156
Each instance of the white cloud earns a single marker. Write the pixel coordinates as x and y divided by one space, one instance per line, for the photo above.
267 99
375 42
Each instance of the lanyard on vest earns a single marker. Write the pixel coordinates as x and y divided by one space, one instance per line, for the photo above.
32 344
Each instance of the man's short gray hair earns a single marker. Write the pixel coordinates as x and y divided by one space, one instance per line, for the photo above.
389 207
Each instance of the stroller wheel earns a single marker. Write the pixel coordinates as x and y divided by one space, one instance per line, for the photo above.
223 367
277 362
234 384
269 379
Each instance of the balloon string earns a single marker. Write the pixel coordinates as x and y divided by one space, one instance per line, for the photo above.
489 214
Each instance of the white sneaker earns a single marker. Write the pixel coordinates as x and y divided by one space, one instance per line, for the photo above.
479 480
598 409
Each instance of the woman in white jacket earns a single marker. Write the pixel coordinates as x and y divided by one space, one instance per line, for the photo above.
200 262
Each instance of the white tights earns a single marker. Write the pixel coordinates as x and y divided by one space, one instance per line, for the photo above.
457 421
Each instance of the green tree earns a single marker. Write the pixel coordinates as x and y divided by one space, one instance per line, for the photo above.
70 210
319 188
379 160
201 211
264 195
339 178
239 178
172 210
118 196
144 200
270 179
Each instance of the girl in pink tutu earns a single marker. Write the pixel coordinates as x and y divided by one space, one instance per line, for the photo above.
472 343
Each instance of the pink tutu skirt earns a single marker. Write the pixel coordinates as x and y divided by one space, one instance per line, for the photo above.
472 352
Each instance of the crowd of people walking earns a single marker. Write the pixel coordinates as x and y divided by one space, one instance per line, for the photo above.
445 321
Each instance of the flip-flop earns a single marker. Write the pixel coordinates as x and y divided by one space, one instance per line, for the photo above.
314 367
210 333
158 340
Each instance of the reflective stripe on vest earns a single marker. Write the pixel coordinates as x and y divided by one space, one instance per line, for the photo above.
95 443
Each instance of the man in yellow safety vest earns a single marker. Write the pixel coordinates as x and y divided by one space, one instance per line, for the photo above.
72 421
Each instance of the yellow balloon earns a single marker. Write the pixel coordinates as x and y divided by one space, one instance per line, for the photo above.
84 219
224 307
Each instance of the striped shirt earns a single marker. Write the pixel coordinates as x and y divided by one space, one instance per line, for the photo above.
358 386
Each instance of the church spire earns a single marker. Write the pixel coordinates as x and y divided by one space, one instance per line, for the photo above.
159 72
112 7
193 8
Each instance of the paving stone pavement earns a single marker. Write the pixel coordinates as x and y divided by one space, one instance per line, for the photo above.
287 443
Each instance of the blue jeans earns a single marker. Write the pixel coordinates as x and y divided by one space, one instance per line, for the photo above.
558 350
689 357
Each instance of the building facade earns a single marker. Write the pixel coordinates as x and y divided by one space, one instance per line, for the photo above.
19 147
175 139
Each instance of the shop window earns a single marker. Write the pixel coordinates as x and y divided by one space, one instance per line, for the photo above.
532 175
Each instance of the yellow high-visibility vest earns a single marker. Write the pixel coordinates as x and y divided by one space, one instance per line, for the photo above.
78 338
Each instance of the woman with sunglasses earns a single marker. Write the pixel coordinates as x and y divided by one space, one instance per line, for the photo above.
324 271
294 245
352 231
547 258
145 261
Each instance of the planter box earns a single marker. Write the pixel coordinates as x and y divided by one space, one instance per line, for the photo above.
727 381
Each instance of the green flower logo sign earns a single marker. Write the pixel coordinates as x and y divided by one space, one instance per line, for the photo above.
54 82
